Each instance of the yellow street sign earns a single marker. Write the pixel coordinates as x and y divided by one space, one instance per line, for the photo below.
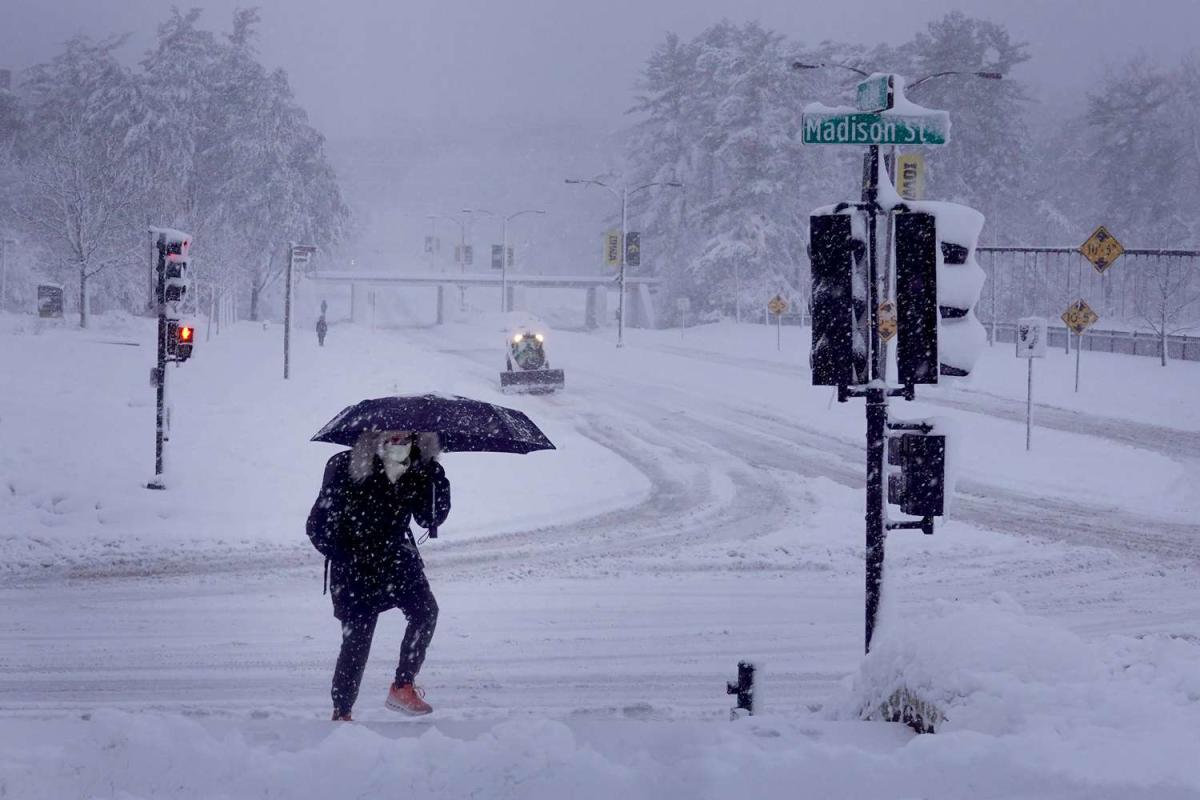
1079 316
777 305
910 176
887 320
1102 249
612 248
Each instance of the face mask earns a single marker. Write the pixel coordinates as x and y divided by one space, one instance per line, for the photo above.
395 453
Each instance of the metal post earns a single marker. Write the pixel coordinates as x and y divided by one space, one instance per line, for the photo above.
995 277
737 292
504 266
779 331
3 272
1029 407
287 313
876 408
160 374
1078 348
621 302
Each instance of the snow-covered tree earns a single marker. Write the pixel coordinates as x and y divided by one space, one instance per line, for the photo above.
80 192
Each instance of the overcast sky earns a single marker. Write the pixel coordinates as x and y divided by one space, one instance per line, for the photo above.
363 66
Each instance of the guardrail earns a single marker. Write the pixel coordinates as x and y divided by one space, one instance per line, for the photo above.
1132 343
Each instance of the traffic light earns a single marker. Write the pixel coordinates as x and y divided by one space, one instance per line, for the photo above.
937 285
176 252
960 279
916 298
180 340
917 482
633 249
838 354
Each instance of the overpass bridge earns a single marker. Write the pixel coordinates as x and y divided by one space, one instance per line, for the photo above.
639 300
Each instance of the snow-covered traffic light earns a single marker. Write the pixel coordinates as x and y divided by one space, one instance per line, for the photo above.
180 340
961 336
937 285
838 354
917 480
176 256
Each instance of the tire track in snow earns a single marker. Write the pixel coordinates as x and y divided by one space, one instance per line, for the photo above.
1171 442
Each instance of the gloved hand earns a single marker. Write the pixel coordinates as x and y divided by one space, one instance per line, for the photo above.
429 446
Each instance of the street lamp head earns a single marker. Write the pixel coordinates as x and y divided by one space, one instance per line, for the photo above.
675 184
573 180
991 76
800 65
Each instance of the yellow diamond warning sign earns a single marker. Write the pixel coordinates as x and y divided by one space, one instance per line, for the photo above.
887 320
1079 317
777 305
1102 249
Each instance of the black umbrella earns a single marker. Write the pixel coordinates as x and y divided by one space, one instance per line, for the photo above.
462 424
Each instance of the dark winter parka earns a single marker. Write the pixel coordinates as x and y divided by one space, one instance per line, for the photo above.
362 527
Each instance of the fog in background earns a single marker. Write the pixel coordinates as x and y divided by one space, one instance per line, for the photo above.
431 107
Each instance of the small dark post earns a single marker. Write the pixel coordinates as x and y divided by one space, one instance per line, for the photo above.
744 689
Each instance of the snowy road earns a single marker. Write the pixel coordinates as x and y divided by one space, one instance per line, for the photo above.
743 540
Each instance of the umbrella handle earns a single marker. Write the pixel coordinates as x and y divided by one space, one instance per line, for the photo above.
433 507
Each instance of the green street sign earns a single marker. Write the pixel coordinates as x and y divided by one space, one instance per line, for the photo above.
874 94
841 127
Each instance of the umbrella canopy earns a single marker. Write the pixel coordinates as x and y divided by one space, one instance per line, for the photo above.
462 424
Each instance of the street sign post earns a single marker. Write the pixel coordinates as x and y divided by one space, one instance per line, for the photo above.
874 122
1079 316
682 305
777 306
1102 249
1031 344
298 255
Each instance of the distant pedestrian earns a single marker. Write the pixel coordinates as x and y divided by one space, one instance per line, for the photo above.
322 328
360 523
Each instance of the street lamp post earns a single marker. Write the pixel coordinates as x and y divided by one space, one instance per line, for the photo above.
462 235
504 220
504 255
5 246
623 196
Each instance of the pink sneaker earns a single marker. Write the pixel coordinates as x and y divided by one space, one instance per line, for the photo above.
407 700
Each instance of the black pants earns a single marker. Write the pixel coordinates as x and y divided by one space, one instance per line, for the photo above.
420 609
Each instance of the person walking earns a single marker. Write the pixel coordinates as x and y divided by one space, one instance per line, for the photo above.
360 522
322 329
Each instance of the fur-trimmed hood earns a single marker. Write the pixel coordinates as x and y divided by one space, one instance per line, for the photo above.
364 454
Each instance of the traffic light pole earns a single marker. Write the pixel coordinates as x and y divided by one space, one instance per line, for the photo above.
287 311
877 403
160 372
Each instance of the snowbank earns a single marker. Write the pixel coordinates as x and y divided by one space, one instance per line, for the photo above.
1105 710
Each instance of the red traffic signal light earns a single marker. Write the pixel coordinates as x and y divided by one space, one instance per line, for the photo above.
180 340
